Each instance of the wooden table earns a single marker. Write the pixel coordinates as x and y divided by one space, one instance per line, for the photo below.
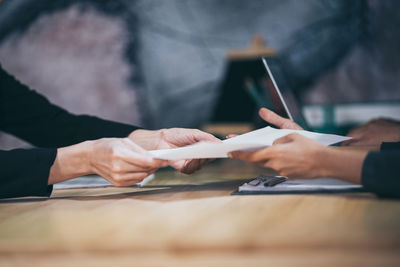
179 220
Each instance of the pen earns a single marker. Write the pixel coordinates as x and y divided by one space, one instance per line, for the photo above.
268 180
253 92
275 180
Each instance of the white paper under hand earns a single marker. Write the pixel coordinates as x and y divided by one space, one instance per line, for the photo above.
252 140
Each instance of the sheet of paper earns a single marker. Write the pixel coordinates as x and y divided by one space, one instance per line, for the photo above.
92 181
253 140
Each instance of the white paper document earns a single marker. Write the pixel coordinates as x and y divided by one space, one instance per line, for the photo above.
253 140
92 181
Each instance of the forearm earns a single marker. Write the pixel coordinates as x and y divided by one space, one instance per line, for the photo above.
72 161
342 163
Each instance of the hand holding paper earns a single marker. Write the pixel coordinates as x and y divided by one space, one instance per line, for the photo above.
253 140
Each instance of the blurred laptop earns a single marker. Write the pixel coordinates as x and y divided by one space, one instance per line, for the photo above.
278 97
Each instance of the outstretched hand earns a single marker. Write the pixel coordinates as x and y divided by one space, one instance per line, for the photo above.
293 155
122 162
174 138
118 160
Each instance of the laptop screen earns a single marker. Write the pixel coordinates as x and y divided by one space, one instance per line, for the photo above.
280 98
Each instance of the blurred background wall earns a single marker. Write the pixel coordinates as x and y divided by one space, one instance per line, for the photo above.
159 63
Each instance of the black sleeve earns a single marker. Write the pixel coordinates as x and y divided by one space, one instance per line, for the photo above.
390 146
380 173
25 172
30 116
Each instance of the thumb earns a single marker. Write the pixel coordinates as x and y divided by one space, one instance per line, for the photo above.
203 136
287 139
271 117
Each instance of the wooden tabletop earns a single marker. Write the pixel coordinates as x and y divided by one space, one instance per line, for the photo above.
179 220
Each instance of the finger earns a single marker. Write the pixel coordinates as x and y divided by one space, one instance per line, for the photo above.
194 165
137 160
186 166
283 140
231 136
120 170
138 156
241 155
253 156
136 163
203 136
270 164
191 166
135 147
123 166
357 143
125 179
348 142
273 118
288 138
183 137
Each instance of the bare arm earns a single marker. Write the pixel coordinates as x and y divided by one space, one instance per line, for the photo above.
342 164
118 160
298 157
125 161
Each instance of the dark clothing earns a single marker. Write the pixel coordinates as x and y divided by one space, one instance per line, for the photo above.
381 171
31 117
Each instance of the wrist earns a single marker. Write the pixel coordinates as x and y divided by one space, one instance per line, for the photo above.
86 156
72 161
77 158
326 162
343 164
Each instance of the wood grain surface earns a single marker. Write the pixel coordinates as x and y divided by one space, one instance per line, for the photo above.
180 220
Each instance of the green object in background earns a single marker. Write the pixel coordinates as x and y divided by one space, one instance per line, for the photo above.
252 90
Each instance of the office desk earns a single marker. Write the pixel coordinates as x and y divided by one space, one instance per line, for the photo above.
179 220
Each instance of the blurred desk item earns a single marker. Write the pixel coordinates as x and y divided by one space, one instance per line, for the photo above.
339 118
180 220
235 103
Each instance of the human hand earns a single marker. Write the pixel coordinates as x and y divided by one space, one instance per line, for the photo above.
274 119
374 132
293 155
280 122
122 162
174 138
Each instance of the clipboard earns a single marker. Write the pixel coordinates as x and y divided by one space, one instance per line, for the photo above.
258 186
